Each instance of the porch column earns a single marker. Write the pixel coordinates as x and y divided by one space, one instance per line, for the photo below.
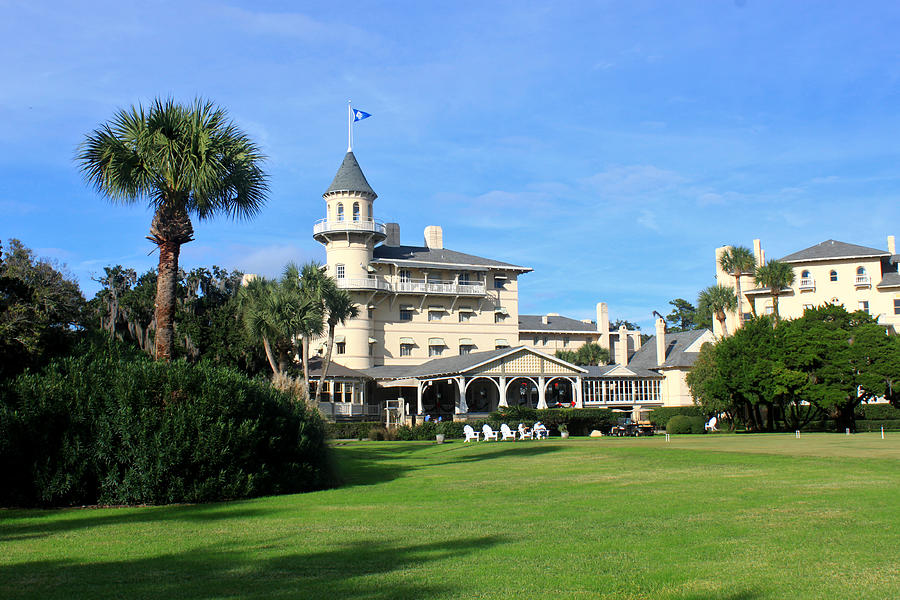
542 398
603 390
420 408
461 406
503 403
579 393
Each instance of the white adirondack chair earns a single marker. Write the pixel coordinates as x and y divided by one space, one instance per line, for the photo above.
488 433
524 432
471 434
507 433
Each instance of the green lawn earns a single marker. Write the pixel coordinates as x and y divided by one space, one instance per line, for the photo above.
726 516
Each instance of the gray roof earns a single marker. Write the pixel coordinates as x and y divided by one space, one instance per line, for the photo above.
350 178
598 372
676 343
889 280
436 258
334 369
554 323
831 249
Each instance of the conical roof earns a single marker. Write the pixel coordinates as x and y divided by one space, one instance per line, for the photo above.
350 178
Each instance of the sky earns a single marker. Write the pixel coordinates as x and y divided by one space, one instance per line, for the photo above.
610 146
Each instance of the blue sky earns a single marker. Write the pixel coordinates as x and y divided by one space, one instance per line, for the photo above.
611 146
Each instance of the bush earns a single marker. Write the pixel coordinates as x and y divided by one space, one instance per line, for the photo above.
876 425
109 426
685 424
659 417
877 411
349 430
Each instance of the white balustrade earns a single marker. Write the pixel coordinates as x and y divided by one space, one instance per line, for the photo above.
325 225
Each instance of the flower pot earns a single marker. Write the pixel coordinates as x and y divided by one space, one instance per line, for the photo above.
440 438
564 434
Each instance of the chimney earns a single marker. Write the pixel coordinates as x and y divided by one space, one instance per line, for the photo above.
602 317
434 237
660 342
758 253
892 245
622 347
545 319
392 230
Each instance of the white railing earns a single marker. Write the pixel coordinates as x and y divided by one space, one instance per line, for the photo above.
433 286
363 283
807 283
862 280
325 225
346 409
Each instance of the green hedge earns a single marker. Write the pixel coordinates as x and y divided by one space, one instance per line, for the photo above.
579 421
350 430
877 412
107 426
876 425
659 417
685 424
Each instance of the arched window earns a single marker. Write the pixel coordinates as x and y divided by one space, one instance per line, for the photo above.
833 275
860 270
804 275
356 211
369 216
340 211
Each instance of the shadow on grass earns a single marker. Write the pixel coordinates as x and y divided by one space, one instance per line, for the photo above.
367 569
369 466
23 524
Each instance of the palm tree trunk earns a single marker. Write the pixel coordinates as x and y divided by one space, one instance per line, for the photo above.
165 299
325 364
737 289
305 349
720 317
271 357
775 306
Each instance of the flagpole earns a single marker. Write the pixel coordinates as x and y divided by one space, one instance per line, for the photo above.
349 127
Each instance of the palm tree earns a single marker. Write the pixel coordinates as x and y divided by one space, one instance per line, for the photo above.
340 307
717 300
776 276
738 260
311 284
269 315
183 161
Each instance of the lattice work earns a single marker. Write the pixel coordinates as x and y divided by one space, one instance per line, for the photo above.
492 368
552 368
524 362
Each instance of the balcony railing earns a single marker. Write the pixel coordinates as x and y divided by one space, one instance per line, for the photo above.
329 225
863 281
363 283
433 286
807 283
346 409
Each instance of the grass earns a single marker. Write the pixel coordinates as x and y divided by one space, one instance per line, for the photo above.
737 517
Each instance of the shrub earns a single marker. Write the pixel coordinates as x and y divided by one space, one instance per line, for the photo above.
659 417
109 426
349 430
685 424
876 425
877 411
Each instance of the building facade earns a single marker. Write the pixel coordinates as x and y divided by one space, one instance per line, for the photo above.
833 272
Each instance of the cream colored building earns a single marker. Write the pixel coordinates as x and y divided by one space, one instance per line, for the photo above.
833 272
439 331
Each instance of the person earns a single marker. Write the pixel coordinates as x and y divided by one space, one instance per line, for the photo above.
540 430
427 418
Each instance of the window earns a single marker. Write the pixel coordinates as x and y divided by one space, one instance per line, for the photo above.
833 275
748 316
370 211
435 350
339 271
770 310
897 306
499 281
805 275
864 305
466 349
371 349
405 276
860 270
807 307
465 316
371 312
499 317
340 211
356 211
406 314
340 347
545 340
435 315
464 279
406 349
337 391
565 341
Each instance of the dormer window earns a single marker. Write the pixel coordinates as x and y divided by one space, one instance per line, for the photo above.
340 211
356 211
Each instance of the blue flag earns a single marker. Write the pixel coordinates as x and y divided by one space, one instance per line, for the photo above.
359 115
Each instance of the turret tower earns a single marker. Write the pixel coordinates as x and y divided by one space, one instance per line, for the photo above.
349 232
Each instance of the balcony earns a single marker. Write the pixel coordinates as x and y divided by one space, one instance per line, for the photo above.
807 283
326 226
345 409
863 281
363 283
434 286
